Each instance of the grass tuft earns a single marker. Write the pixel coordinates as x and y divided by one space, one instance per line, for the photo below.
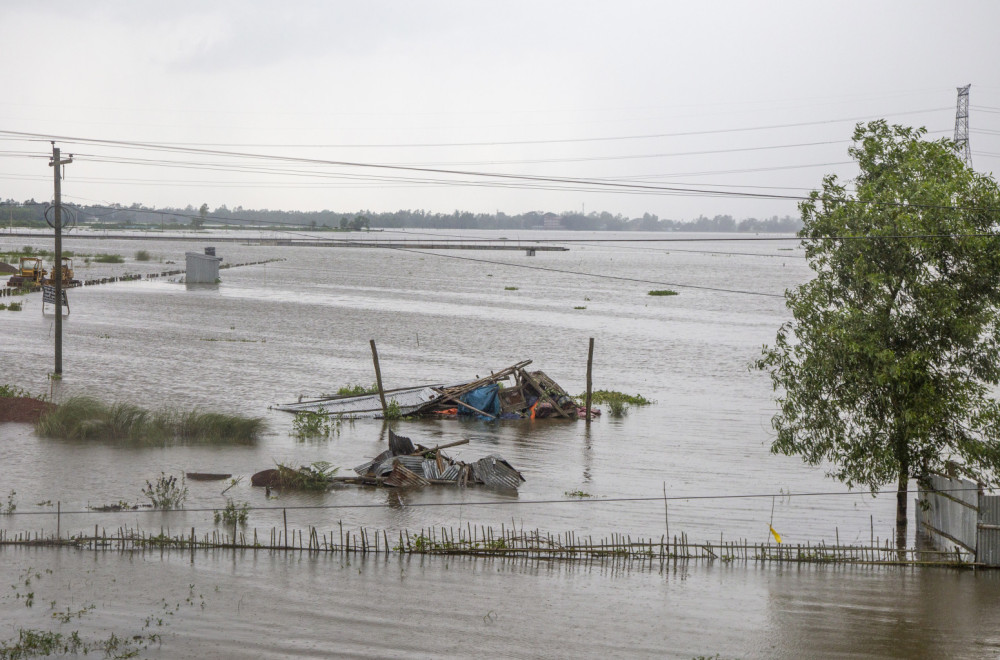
86 418
662 292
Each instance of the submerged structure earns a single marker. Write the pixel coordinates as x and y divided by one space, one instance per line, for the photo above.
511 393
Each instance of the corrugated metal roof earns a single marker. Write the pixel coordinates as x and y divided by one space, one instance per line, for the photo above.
449 472
365 468
497 473
409 400
401 477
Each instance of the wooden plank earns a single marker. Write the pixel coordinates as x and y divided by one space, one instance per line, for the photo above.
542 393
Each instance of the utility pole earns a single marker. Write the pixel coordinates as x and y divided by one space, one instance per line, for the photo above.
56 164
962 126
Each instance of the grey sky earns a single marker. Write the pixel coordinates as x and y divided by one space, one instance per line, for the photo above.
518 88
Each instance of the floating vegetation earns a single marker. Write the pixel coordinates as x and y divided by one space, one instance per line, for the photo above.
233 513
234 340
605 396
11 505
315 476
86 418
577 494
662 292
580 307
315 425
510 288
108 258
16 306
392 410
617 402
142 255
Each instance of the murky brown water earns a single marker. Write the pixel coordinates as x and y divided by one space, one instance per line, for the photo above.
301 326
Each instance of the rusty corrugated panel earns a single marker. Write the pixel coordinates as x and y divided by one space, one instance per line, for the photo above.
401 477
400 445
497 473
366 468
409 400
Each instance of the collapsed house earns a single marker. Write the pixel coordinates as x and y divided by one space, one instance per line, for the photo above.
405 465
511 393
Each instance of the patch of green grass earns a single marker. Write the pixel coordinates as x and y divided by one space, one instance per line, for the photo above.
604 396
142 255
86 418
662 292
357 390
16 306
109 258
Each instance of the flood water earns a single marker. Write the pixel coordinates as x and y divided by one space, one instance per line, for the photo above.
300 327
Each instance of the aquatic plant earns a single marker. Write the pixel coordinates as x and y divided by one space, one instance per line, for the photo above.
16 306
109 258
142 255
12 392
662 292
392 410
11 506
577 493
606 396
315 476
86 418
580 307
617 407
233 513
308 424
510 288
165 493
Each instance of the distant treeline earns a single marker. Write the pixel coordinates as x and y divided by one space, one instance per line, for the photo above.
31 214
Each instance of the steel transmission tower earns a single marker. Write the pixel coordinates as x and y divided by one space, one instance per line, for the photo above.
962 126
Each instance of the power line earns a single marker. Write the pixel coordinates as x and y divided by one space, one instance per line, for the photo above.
518 502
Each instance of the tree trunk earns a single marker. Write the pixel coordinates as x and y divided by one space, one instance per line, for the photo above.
902 495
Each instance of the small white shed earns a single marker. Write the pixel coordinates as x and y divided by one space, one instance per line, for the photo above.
202 268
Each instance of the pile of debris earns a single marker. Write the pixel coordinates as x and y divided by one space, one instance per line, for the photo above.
511 393
405 465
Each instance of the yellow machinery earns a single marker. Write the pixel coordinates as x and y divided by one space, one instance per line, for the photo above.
67 275
29 273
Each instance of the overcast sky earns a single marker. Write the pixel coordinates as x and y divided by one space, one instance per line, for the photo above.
637 98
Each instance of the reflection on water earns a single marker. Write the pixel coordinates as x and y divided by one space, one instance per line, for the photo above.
270 333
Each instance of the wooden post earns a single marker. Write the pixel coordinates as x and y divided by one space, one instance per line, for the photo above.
378 377
58 518
590 384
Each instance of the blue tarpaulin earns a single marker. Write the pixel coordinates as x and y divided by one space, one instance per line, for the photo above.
484 398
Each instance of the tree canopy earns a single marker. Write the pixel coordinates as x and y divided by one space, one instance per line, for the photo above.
889 367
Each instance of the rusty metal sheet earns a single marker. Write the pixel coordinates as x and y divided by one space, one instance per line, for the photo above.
401 477
400 445
497 473
409 400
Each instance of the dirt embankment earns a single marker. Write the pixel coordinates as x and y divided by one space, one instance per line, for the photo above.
23 409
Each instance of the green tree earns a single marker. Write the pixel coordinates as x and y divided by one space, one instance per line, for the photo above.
887 370
199 222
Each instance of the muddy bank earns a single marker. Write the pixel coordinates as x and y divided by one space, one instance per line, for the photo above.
23 409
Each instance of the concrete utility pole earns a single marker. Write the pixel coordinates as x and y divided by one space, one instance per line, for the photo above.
962 126
56 164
